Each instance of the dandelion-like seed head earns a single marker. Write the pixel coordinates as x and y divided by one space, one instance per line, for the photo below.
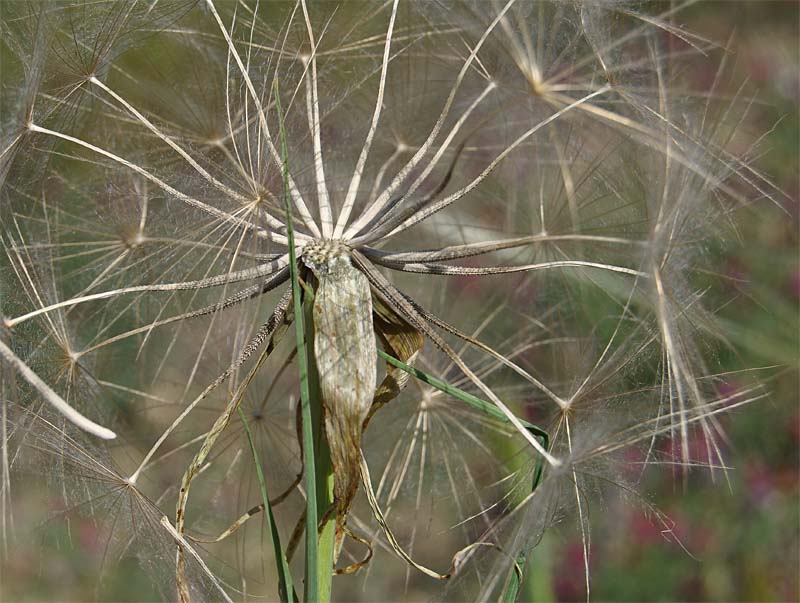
183 185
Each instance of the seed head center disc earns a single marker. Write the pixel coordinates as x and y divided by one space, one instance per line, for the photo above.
327 256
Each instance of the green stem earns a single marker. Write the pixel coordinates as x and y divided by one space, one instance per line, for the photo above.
310 438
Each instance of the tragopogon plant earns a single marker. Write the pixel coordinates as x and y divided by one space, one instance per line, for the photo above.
483 221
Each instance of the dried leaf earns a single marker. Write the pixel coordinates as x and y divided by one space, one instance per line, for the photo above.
400 340
344 349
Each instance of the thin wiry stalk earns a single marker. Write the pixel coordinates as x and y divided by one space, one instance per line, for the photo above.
312 108
52 397
355 181
381 201
300 205
268 330
160 183
419 214
223 279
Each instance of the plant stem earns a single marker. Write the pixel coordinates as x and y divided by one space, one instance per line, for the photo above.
306 367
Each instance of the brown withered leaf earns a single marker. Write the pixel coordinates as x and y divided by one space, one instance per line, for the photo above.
400 340
344 350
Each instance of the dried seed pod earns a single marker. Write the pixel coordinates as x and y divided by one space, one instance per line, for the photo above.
344 350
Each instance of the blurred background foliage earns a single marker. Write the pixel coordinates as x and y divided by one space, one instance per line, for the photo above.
738 542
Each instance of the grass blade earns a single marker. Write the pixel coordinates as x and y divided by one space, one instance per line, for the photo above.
482 405
285 581
311 582
322 461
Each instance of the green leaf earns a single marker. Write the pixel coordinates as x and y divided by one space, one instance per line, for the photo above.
311 582
324 468
285 581
482 405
